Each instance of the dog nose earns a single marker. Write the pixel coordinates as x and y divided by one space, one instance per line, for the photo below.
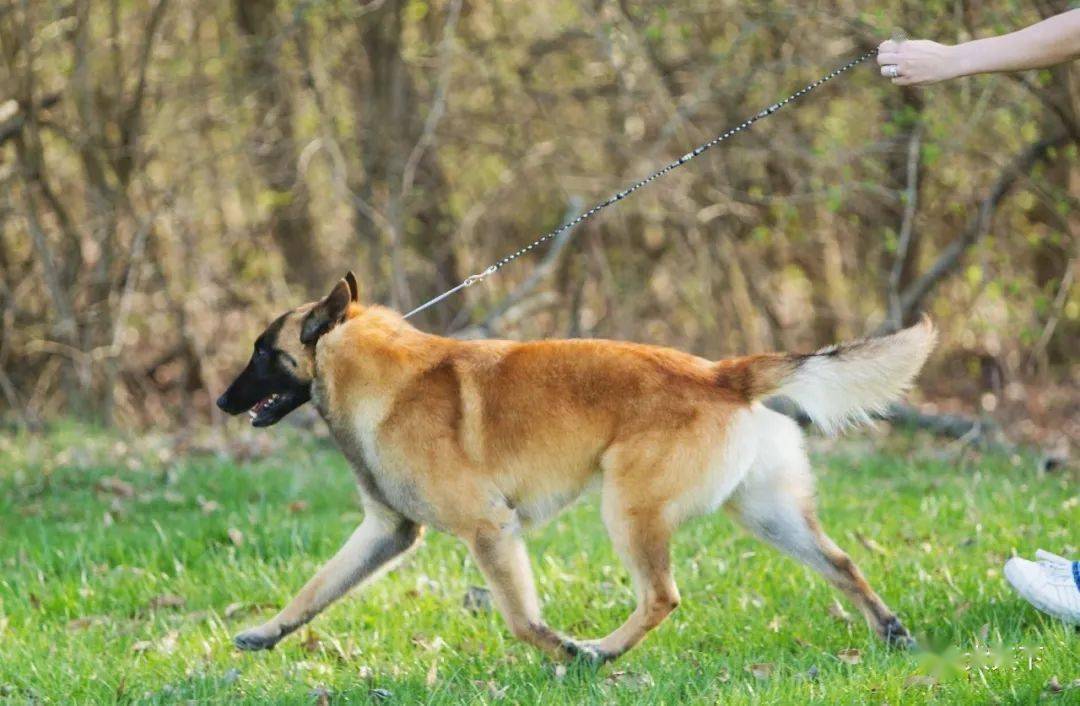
222 403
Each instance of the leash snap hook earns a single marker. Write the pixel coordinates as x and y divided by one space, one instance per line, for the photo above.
473 279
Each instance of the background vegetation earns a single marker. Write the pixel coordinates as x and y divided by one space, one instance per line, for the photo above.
175 172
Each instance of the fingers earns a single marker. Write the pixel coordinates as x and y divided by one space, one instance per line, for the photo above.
913 62
887 46
897 71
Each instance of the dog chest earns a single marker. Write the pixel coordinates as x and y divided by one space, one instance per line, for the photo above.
384 482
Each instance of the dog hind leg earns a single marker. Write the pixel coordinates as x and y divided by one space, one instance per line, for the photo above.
776 502
642 541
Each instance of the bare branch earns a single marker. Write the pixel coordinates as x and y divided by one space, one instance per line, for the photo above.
1062 296
1063 113
907 226
438 105
523 290
131 121
13 125
977 431
949 259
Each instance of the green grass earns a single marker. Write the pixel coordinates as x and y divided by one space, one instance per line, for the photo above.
106 596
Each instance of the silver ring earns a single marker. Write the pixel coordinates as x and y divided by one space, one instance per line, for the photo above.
892 71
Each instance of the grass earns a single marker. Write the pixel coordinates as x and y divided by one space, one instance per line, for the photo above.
125 571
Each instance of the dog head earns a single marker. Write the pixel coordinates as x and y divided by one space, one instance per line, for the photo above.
279 374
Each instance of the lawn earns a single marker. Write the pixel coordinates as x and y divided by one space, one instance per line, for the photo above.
125 570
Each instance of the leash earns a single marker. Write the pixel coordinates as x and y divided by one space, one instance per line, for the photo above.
498 265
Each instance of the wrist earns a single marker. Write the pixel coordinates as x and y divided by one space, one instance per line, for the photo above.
959 60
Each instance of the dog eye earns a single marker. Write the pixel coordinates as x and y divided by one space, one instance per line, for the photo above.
286 358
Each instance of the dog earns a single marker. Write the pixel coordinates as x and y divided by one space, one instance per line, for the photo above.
483 438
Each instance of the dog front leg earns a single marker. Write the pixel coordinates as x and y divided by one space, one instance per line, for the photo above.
381 538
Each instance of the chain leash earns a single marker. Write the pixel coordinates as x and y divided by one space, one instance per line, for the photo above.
615 198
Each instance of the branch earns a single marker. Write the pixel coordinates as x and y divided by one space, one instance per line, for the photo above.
949 259
438 106
523 290
13 125
51 272
907 226
130 279
981 432
130 123
1062 112
1039 349
558 43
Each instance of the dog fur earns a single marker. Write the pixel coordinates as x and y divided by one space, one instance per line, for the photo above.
484 438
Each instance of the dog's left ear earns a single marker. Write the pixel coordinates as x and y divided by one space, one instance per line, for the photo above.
354 288
329 312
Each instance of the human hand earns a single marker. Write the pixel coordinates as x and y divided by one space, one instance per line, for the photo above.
916 62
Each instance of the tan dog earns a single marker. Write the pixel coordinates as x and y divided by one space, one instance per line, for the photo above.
482 438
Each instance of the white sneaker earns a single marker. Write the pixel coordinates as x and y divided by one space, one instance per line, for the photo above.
1043 555
1051 584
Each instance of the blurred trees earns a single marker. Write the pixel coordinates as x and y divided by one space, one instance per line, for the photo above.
274 148
173 173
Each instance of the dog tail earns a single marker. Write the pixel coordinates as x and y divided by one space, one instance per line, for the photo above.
839 385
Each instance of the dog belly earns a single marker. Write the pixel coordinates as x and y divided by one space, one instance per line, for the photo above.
544 472
537 507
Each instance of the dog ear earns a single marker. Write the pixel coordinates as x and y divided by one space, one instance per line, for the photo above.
328 313
354 288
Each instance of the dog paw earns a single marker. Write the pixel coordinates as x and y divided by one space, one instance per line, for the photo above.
897 635
587 652
256 639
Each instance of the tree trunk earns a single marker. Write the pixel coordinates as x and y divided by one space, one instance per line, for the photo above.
1061 226
904 166
274 147
391 127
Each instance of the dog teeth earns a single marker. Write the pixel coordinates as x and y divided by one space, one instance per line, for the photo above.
263 404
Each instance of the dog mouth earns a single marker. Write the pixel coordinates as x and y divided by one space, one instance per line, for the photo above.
274 397
270 409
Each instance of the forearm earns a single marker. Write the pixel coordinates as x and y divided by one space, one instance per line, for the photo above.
1052 41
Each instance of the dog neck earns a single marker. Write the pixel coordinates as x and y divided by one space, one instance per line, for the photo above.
363 361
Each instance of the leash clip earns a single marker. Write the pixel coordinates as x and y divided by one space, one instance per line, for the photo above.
473 279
